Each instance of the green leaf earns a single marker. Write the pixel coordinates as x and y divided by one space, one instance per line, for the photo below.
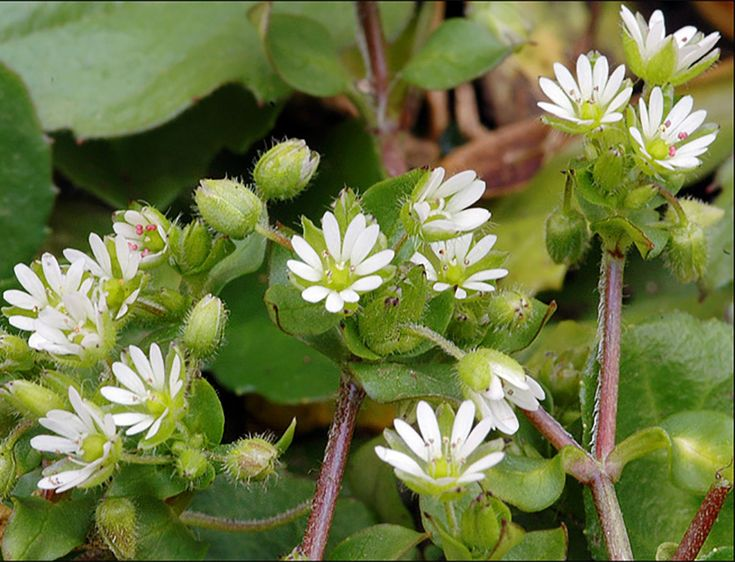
304 55
205 413
27 194
372 481
289 373
668 365
43 530
530 484
154 481
384 199
641 443
247 257
157 165
510 340
123 68
260 501
294 315
391 382
161 536
458 51
541 545
719 270
721 553
619 231
701 446
379 542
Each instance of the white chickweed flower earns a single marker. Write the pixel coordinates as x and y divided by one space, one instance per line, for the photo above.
437 209
660 58
152 390
88 439
460 265
594 99
339 267
145 233
667 143
436 464
491 379
116 266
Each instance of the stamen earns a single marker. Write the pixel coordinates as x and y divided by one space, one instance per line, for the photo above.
139 229
667 123
151 227
682 135
132 246
672 151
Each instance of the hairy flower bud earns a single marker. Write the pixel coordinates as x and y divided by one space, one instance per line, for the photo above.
285 170
116 520
192 465
8 475
205 326
482 523
567 236
15 354
31 399
686 252
509 309
251 459
228 206
609 169
190 246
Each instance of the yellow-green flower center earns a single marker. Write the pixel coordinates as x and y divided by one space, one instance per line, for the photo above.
658 148
157 403
93 447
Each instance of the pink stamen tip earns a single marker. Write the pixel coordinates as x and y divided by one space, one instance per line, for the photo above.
145 252
672 151
150 227
132 246
668 123
139 229
682 136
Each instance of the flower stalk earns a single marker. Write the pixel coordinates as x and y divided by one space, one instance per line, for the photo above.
700 527
330 477
230 525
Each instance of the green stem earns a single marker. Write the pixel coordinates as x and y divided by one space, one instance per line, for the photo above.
611 518
274 236
206 521
450 348
17 432
451 518
400 243
675 204
146 459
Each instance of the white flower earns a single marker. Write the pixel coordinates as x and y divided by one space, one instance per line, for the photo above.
667 142
438 209
435 464
145 233
88 439
119 267
345 267
491 380
155 394
461 265
595 98
691 49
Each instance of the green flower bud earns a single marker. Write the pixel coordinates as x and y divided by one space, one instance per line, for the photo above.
686 252
15 354
609 170
165 304
192 465
285 170
190 246
116 520
638 197
482 523
229 207
8 474
509 309
205 326
31 399
251 459
567 236
477 368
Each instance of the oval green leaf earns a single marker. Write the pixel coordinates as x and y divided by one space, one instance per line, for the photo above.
530 484
379 542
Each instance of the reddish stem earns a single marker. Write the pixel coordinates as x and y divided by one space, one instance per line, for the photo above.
611 301
330 477
372 29
698 531
550 428
611 518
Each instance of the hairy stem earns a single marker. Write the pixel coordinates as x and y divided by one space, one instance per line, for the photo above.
374 49
330 477
698 531
274 236
450 348
451 518
611 518
206 521
608 322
